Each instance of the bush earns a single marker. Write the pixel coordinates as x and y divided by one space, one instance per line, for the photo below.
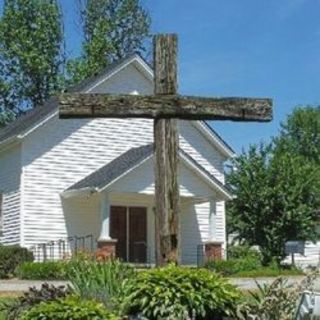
14 308
99 280
10 258
178 293
50 270
240 259
71 308
233 266
243 252
224 267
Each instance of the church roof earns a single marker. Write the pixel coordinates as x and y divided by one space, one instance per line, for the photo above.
114 169
27 120
34 117
126 162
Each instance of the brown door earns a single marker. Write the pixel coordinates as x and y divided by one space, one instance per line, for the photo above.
138 234
118 230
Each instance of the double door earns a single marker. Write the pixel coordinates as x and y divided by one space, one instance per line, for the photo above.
129 226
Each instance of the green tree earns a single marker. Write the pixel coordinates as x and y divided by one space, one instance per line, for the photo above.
112 30
300 134
6 117
31 53
7 98
277 199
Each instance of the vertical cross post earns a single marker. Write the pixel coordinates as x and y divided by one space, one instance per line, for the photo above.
166 141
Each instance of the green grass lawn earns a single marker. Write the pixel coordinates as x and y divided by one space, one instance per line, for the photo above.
267 272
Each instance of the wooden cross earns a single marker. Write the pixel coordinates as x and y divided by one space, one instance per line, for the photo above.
165 107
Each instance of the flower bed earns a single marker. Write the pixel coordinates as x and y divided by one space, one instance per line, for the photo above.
113 290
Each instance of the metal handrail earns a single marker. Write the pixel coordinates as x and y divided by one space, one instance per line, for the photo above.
57 249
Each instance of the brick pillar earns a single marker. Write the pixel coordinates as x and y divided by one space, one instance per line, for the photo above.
213 250
106 249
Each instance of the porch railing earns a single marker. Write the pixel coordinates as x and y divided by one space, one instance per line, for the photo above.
63 248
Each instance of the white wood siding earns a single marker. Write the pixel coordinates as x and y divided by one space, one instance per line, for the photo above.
128 80
10 174
192 141
194 230
83 216
61 152
141 180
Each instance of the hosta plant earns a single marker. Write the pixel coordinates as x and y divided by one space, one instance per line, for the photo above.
178 293
70 308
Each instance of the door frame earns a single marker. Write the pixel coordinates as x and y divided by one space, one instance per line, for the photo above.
127 205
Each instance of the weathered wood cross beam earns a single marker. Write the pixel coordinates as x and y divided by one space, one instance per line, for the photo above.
165 106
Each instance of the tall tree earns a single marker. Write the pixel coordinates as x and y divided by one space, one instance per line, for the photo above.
7 96
112 30
31 53
278 187
300 134
277 199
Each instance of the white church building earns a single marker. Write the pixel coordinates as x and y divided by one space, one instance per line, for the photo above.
65 183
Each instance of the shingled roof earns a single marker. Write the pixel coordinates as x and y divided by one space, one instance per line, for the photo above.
114 169
132 158
34 116
29 119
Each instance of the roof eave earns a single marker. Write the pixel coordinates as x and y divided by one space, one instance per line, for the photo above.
25 133
144 67
225 149
78 192
214 185
217 187
104 188
135 58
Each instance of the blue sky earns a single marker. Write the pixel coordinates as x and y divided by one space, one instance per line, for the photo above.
240 48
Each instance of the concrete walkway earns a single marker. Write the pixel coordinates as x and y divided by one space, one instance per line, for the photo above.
23 285
243 283
250 283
